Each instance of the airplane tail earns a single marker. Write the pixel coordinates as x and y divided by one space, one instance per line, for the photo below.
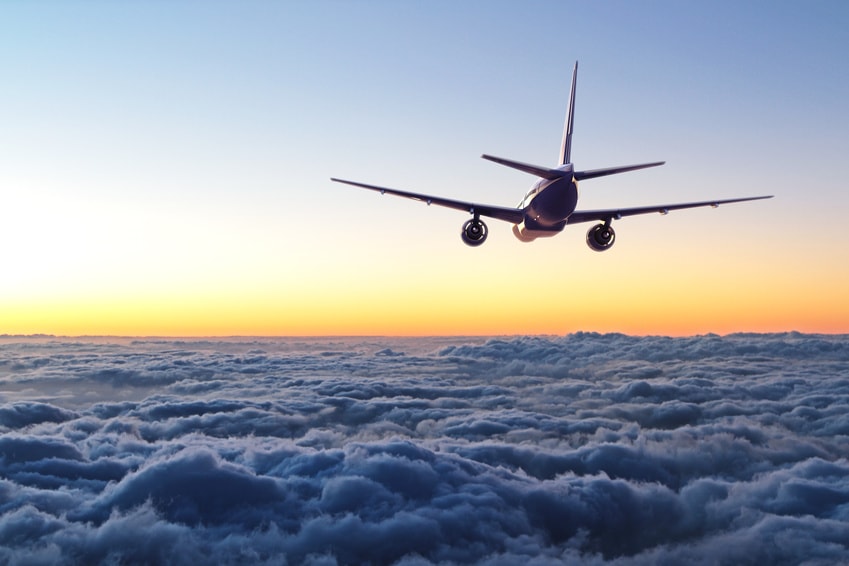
566 144
566 152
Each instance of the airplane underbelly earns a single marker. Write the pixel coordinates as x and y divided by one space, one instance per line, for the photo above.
528 231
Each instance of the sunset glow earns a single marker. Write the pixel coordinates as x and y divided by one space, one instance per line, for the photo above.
176 183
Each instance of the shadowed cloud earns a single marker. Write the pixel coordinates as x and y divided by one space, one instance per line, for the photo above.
584 449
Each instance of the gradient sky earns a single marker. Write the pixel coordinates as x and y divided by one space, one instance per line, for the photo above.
164 166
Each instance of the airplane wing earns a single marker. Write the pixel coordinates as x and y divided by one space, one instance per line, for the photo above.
616 213
513 215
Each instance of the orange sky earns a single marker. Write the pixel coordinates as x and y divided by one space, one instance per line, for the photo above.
157 186
597 292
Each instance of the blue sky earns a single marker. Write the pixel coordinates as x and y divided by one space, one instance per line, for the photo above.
153 149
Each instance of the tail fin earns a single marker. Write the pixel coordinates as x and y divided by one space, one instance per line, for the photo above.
566 145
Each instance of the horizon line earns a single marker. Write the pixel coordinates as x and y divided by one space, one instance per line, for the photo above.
37 335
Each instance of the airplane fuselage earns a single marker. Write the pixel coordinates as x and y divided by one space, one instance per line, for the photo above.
547 207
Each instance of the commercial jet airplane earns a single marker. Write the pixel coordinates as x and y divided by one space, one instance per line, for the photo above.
549 206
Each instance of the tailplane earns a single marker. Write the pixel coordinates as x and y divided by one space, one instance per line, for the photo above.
544 172
592 174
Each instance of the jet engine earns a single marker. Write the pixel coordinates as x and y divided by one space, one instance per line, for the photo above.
474 232
600 237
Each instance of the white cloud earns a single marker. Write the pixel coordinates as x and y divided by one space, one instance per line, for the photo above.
582 449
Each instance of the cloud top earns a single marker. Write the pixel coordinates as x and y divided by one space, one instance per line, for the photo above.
583 449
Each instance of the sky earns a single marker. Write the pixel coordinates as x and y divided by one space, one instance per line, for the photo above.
583 449
164 166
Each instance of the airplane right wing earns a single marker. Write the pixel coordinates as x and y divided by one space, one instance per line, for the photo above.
513 215
616 213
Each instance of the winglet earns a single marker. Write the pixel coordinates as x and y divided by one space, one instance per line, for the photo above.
566 145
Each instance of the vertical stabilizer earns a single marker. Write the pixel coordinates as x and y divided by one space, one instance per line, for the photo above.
566 146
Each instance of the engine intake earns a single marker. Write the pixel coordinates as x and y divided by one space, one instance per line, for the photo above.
600 237
474 232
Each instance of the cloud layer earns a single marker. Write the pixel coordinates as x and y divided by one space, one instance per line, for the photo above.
590 449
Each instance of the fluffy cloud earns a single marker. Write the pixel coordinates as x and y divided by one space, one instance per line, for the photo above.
585 449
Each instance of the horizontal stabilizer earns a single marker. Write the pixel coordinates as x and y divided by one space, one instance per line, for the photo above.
581 175
544 172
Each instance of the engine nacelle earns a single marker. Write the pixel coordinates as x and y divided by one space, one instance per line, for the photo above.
474 232
600 237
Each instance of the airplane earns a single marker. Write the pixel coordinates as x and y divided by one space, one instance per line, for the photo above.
549 205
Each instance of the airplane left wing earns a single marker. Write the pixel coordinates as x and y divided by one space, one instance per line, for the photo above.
513 215
616 213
